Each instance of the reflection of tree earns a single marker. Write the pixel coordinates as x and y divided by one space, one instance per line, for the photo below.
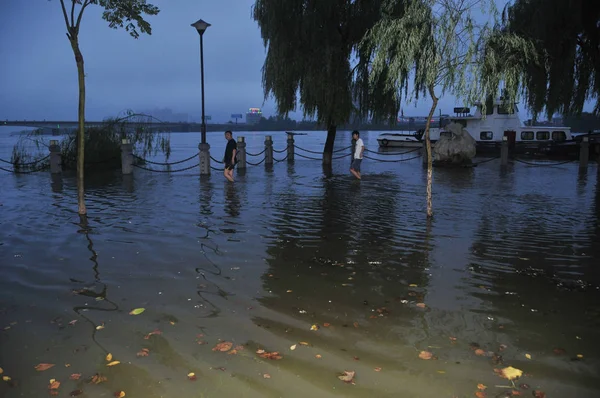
101 295
345 244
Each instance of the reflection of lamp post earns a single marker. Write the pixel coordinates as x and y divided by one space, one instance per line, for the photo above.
201 27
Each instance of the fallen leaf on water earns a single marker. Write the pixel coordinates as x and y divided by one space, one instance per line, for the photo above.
119 394
347 376
100 327
303 343
528 356
452 338
509 373
318 356
441 372
516 392
502 347
314 327
479 352
579 356
156 331
192 376
6 378
223 346
67 365
266 376
413 285
53 384
355 324
293 347
539 394
425 355
113 363
172 323
75 376
236 349
326 324
421 305
481 387
480 394
43 366
73 322
269 355
1 371
109 357
97 379
75 393
377 369
137 311
143 353
288 291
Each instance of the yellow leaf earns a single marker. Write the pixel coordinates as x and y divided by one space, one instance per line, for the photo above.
303 343
121 394
1 371
413 285
527 356
191 374
100 327
113 363
289 291
512 373
314 327
172 323
441 372
318 356
5 378
293 347
109 357
579 356
137 311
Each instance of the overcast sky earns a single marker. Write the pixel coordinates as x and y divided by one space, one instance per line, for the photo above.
39 76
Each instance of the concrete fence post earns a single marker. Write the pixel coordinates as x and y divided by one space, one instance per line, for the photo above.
290 147
126 157
268 150
204 159
504 152
584 153
55 158
241 153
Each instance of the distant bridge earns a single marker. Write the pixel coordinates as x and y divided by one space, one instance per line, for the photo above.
67 124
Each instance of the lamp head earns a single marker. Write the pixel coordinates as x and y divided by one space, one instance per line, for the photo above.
200 26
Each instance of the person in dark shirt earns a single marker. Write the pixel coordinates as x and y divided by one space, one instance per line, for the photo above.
229 158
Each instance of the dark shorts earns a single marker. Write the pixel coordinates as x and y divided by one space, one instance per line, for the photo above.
229 166
356 164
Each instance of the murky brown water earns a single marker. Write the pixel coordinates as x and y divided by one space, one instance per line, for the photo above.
510 261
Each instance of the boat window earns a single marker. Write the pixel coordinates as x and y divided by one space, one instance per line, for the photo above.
489 110
542 135
559 136
527 135
486 135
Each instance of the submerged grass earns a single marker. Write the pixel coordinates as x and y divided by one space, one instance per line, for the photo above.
102 145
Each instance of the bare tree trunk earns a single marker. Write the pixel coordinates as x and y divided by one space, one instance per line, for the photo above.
429 155
81 126
328 150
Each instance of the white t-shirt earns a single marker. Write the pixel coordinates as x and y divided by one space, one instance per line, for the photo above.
359 146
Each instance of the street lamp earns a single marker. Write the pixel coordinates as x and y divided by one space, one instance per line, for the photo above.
201 27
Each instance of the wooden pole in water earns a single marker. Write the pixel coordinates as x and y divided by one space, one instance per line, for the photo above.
504 152
584 153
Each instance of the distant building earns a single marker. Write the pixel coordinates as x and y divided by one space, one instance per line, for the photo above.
253 116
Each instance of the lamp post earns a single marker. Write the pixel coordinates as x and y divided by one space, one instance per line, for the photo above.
201 27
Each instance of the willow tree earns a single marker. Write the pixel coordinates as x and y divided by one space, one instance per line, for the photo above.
436 47
126 13
313 58
565 36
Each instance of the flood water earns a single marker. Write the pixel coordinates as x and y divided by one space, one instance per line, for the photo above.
509 265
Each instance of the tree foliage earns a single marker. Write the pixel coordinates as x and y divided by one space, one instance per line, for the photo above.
314 60
565 37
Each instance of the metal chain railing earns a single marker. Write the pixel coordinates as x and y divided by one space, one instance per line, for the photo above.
26 164
393 153
168 163
216 161
306 157
392 161
256 164
165 171
281 160
485 161
341 157
43 167
542 164
282 151
256 154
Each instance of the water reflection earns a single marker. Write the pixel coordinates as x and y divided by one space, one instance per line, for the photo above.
232 200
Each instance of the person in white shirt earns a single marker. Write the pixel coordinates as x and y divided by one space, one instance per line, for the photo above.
359 149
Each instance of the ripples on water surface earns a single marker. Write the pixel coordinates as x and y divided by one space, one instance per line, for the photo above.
510 259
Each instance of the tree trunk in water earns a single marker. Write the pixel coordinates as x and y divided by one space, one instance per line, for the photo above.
81 127
429 155
328 150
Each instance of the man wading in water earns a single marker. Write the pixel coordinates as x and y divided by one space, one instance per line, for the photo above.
229 158
358 154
